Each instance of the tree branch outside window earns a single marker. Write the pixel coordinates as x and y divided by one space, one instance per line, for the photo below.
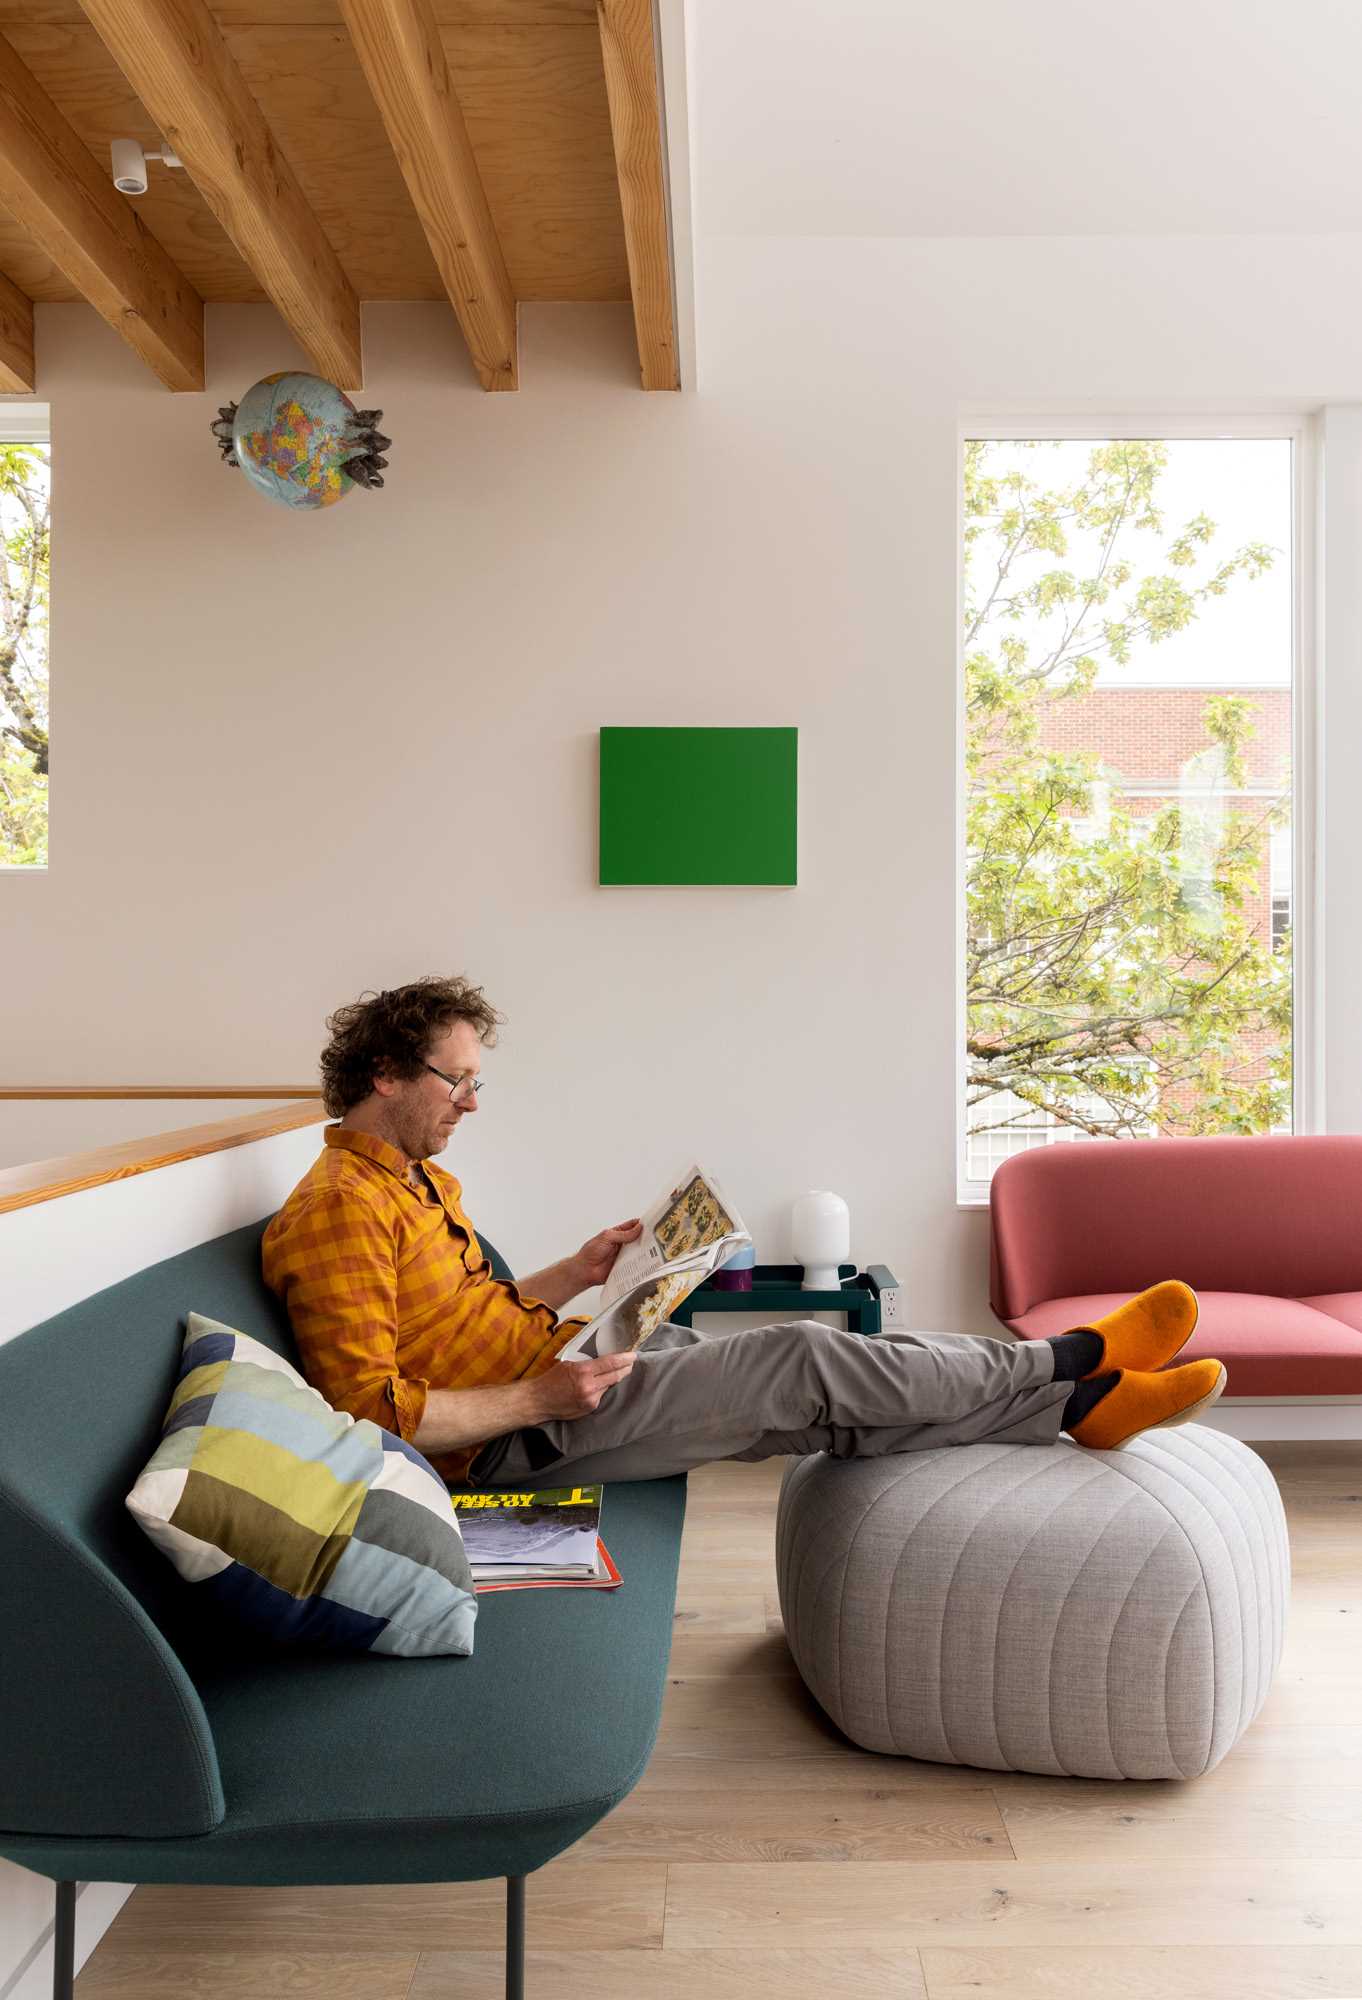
1121 978
24 530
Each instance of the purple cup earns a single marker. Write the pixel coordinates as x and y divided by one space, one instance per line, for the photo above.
736 1274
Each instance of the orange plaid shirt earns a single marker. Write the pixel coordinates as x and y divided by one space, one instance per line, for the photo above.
389 1292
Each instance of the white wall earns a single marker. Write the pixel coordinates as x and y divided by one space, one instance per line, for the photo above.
297 756
55 1253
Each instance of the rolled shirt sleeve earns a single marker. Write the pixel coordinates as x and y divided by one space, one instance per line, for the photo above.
334 1264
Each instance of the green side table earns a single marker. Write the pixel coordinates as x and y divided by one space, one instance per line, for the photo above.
776 1288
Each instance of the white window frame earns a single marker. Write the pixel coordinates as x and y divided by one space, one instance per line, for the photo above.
1303 429
25 422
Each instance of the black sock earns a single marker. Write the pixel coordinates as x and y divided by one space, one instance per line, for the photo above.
1085 1396
1076 1353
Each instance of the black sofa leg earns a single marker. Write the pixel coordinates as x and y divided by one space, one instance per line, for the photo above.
515 1937
64 1943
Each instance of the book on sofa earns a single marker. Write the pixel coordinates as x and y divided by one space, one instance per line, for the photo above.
546 1535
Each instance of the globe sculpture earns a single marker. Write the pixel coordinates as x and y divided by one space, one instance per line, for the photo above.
301 441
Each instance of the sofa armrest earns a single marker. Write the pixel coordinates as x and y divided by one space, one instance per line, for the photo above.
104 1732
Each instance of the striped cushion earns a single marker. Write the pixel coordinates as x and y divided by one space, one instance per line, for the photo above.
295 1518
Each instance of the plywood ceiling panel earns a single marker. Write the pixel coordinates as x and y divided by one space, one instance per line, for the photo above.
309 85
535 106
539 121
88 88
533 96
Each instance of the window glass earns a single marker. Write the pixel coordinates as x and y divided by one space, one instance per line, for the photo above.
1128 659
23 654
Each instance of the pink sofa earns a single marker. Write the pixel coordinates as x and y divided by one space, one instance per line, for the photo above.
1267 1231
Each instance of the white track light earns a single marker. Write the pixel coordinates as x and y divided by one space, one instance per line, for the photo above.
129 158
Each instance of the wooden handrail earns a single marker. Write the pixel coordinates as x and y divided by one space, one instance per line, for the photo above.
45 1180
60 1092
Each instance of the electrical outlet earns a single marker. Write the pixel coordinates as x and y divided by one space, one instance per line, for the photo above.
891 1307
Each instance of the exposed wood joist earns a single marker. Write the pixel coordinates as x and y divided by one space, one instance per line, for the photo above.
630 58
16 338
57 190
400 51
175 58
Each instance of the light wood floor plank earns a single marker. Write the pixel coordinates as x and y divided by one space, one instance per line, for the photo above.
1228 1972
112 1973
735 1479
1299 1699
1322 1747
726 1541
1027 1903
852 1770
722 1655
1064 1821
1245 1774
724 1824
569 1905
771 1715
740 1607
1314 1461
843 1974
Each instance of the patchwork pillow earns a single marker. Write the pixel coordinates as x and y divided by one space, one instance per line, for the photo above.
295 1518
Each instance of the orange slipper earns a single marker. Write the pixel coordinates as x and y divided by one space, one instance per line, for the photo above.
1149 1402
1147 1331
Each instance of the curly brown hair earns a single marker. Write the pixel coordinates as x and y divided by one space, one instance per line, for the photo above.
388 1034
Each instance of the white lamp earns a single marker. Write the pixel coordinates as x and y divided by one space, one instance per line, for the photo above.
820 1234
128 164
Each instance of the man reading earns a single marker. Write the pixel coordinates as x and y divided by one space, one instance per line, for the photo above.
398 1317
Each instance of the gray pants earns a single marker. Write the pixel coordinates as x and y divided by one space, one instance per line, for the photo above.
794 1387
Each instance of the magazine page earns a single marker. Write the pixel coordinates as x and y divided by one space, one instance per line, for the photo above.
686 1236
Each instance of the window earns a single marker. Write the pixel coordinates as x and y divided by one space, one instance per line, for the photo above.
24 485
1129 644
1280 880
1015 1126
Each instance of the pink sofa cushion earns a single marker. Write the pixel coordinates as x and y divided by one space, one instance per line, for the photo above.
1274 1215
1346 1306
1270 1346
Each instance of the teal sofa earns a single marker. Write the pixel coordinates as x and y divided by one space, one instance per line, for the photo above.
141 1743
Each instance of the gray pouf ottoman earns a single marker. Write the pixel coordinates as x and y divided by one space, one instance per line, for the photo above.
1113 1614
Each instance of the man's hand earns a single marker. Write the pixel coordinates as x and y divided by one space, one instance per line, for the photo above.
575 1388
591 1266
596 1259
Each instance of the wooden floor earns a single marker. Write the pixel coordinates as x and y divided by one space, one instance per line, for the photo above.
762 1857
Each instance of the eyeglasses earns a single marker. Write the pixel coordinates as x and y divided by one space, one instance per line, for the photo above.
459 1086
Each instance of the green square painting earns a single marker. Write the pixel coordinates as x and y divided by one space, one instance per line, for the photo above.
699 805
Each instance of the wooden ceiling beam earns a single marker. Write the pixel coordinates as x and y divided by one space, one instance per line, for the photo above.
173 54
56 189
16 339
630 59
400 51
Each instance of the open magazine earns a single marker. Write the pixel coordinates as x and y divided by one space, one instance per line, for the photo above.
687 1235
